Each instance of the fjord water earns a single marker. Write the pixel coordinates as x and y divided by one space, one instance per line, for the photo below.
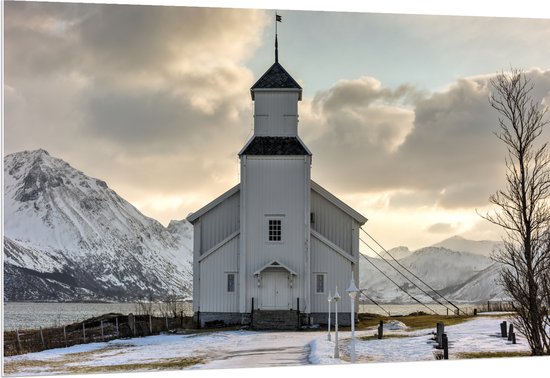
33 315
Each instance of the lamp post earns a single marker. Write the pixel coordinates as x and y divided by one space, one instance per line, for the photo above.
336 298
329 301
352 291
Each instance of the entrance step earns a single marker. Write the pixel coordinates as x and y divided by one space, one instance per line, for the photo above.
275 320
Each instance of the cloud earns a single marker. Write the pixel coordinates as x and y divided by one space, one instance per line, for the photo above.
433 149
136 95
441 228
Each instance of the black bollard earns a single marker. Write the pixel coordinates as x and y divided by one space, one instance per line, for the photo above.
510 332
513 337
503 329
440 329
380 330
445 347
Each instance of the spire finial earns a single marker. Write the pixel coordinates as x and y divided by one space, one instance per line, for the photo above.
278 18
276 50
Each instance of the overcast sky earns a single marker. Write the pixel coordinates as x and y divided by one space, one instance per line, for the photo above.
156 102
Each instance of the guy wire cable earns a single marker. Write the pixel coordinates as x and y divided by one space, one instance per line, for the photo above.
407 278
414 275
373 301
405 291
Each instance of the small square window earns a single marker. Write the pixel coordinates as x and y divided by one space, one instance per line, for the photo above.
230 282
320 279
274 231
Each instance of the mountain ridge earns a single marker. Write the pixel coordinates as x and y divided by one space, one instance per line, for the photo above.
61 224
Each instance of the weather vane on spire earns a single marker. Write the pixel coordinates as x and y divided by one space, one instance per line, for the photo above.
278 18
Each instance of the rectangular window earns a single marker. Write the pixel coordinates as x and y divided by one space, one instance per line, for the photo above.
274 231
320 282
230 282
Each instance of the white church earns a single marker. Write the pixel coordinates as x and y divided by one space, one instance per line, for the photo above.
268 252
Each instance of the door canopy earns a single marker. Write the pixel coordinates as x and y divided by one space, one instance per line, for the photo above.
275 265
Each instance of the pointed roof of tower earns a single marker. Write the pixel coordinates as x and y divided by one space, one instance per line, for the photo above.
276 77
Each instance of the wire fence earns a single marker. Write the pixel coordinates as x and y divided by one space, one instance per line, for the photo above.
386 309
99 329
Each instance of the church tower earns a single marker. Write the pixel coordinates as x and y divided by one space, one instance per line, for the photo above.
275 199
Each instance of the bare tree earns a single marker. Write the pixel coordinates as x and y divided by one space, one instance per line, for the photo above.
144 305
171 306
522 208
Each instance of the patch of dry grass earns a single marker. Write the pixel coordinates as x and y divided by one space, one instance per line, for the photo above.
493 354
162 364
390 336
414 322
74 363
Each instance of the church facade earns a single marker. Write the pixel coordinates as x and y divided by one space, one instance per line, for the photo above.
277 241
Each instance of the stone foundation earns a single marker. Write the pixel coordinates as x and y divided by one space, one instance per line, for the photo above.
218 319
321 318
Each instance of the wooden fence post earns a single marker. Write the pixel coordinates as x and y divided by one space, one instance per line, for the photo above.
84 332
132 324
381 330
65 335
18 341
488 306
42 338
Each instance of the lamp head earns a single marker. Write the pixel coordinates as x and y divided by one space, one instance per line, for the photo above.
336 296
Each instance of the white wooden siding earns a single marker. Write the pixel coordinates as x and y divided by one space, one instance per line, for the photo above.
219 223
275 186
338 270
276 114
331 222
213 269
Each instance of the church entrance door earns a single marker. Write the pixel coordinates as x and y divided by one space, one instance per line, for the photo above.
275 290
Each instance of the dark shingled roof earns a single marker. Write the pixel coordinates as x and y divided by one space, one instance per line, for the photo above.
275 146
275 77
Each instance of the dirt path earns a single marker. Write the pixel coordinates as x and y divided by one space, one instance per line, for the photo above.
268 349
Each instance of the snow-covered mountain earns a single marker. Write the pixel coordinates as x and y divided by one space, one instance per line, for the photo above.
459 276
68 236
479 247
397 253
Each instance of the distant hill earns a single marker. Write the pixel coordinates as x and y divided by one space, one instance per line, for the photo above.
68 236
458 275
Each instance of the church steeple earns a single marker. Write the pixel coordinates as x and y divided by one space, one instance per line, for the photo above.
276 50
278 18
276 95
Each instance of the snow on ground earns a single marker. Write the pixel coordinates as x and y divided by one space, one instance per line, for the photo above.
479 335
238 349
